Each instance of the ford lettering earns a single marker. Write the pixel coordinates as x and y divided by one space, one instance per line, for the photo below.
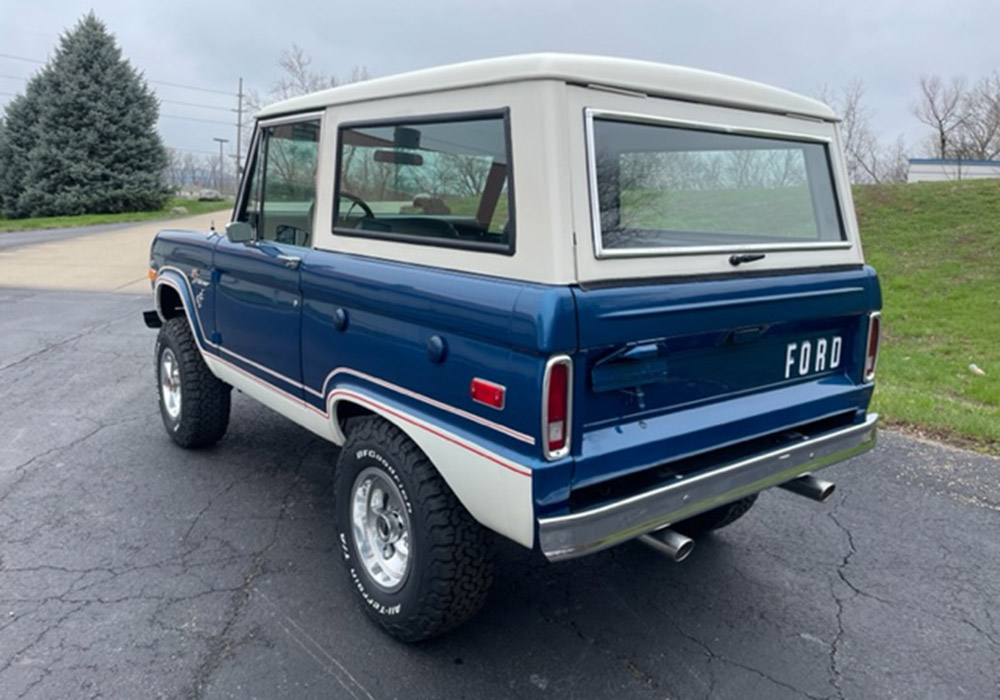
801 359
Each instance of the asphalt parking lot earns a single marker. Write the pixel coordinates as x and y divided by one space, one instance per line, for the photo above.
132 569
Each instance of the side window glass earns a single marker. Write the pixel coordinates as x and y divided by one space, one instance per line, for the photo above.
444 182
282 196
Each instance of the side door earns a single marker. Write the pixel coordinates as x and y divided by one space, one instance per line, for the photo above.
259 299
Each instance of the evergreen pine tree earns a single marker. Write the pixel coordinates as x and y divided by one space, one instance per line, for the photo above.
17 138
83 138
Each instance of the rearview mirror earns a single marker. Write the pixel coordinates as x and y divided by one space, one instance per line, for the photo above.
406 137
239 232
399 157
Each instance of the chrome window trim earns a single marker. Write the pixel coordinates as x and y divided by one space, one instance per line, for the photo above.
591 113
292 118
564 450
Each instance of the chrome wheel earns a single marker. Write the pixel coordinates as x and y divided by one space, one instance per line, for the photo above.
381 528
170 383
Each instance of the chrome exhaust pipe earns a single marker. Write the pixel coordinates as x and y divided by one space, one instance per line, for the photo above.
809 486
667 541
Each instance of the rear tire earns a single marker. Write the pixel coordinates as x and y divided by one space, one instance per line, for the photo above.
194 403
715 519
418 562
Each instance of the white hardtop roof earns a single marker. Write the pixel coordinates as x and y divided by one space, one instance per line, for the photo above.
640 76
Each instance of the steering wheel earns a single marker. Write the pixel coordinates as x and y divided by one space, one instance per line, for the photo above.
355 201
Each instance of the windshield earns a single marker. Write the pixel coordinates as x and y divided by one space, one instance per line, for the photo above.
664 187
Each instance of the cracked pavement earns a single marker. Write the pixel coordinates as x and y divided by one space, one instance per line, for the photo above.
131 568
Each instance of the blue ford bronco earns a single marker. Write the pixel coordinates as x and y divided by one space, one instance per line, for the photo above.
571 300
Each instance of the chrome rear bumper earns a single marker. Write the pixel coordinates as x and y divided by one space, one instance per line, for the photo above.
594 529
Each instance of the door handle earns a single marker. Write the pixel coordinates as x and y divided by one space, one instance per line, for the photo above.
291 261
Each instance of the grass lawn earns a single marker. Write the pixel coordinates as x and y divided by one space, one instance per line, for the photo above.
193 207
936 247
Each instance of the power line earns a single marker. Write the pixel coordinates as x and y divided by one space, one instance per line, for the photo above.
191 87
191 150
158 82
194 119
194 104
21 58
175 102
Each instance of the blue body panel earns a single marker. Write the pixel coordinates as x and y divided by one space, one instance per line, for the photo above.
258 307
493 329
721 346
662 370
190 257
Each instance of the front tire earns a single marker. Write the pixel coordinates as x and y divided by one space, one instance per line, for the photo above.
194 403
418 562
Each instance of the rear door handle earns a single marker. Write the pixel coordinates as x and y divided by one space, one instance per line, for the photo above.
291 261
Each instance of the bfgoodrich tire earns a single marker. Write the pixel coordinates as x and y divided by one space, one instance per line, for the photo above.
716 518
194 403
418 562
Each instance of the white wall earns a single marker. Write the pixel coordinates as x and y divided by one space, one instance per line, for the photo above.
937 172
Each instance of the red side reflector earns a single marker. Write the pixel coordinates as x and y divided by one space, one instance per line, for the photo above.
874 338
555 433
488 393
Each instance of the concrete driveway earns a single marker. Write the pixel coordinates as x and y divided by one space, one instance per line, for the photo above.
111 259
130 568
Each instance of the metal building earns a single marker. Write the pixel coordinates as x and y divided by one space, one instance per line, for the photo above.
939 169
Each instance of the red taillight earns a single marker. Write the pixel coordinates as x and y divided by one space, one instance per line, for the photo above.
556 418
871 350
488 393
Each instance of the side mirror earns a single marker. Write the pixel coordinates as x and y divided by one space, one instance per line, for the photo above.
239 232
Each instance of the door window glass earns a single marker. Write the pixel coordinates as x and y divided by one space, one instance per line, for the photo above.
282 195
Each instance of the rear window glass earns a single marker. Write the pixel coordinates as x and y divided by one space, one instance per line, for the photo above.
661 187
438 182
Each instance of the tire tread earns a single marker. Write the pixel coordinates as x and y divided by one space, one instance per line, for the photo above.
457 563
205 399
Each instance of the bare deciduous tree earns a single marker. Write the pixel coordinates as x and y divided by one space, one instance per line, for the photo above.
868 160
189 168
940 107
965 120
298 78
174 172
979 121
208 171
893 163
184 168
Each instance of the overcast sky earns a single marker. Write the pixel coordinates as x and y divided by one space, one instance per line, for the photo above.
795 44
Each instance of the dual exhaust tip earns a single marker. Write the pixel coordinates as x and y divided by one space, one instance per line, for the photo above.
670 542
678 547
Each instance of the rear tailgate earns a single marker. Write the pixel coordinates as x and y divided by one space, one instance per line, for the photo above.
674 369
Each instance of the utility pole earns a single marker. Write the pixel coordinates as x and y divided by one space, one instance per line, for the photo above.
222 160
239 132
